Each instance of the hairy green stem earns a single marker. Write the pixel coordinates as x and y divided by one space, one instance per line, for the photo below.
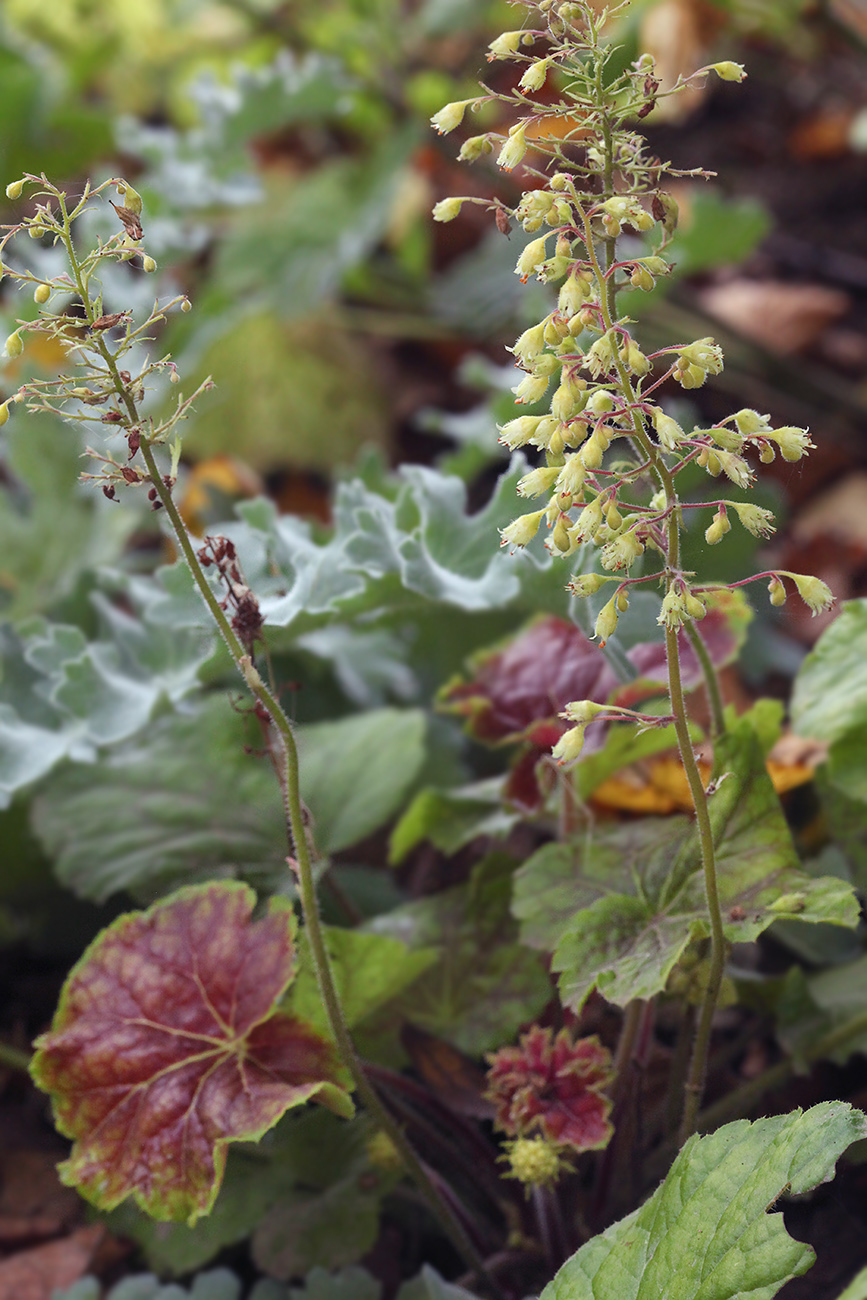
288 772
694 1085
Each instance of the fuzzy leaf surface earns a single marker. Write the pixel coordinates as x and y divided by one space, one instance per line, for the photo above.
485 984
626 941
166 1045
706 1233
830 692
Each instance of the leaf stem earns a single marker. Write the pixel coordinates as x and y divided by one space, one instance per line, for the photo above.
711 680
13 1058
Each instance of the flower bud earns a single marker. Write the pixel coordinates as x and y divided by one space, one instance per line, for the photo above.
522 530
641 278
588 521
718 529
531 257
757 521
537 481
694 607
148 264
592 454
530 389
606 623
186 305
514 148
634 359
14 344
36 231
586 584
600 402
767 455
450 116
42 293
622 601
777 591
560 538
613 517
813 592
569 745
507 44
535 76
689 376
4 413
474 147
14 188
728 71
793 443
447 209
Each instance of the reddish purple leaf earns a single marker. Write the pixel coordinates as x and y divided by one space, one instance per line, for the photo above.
553 1085
166 1045
517 691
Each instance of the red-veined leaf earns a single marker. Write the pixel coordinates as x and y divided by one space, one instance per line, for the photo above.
166 1045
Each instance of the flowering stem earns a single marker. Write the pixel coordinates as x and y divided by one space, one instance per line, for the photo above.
698 1064
12 1058
287 768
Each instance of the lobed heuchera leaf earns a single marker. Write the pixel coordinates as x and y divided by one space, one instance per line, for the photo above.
166 1045
706 1233
640 894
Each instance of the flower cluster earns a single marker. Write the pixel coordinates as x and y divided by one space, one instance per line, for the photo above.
608 450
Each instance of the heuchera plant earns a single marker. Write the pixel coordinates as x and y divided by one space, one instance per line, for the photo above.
611 454
169 1042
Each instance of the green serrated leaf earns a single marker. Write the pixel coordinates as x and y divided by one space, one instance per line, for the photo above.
485 984
449 819
627 941
706 1233
187 801
369 970
356 773
829 698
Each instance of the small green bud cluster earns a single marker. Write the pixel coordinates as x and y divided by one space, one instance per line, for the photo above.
109 394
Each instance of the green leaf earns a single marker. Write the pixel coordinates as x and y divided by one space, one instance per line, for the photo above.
449 819
218 1284
836 997
706 1233
188 800
52 529
331 1217
718 232
430 1286
829 698
295 248
356 773
627 940
308 1148
857 1288
369 970
352 1283
485 984
289 394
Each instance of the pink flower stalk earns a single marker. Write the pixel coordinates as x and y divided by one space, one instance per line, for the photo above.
553 1086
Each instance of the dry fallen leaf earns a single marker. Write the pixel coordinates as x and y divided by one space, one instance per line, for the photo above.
782 317
35 1274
